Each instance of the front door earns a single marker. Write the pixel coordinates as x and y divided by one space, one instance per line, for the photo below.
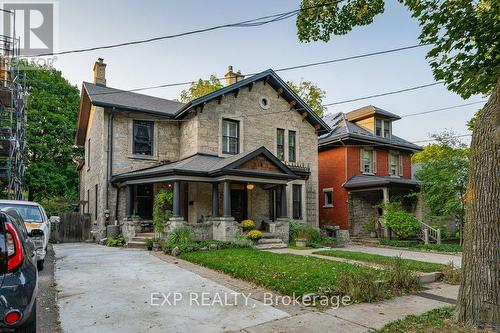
239 202
144 201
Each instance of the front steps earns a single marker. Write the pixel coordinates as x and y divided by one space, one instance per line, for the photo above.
139 241
269 241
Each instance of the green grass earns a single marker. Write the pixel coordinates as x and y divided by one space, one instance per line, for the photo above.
420 246
297 275
414 265
434 321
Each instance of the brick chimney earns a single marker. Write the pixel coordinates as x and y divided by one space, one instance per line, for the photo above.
232 77
100 72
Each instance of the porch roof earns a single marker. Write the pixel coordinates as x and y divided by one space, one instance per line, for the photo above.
212 166
367 181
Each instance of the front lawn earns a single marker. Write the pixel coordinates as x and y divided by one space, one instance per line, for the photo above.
419 246
415 265
298 275
435 321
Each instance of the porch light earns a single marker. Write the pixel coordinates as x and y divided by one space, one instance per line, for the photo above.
250 187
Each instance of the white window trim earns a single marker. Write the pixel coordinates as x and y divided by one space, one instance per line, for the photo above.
382 128
399 164
373 170
241 139
325 190
131 154
286 143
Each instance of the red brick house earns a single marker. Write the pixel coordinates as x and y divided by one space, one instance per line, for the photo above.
361 164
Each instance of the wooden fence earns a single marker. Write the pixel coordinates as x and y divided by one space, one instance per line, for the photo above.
72 227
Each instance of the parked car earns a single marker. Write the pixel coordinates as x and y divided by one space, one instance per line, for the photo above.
18 274
37 224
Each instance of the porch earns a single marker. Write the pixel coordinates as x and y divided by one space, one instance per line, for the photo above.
213 195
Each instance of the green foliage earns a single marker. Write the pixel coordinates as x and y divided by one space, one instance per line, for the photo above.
161 213
299 230
181 235
464 35
115 241
149 243
201 88
208 245
401 277
419 246
56 206
247 224
437 320
298 275
53 105
311 94
404 224
254 235
443 173
415 265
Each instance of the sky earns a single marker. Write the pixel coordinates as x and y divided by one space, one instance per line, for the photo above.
93 23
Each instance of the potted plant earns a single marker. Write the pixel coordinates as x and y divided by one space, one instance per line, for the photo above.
369 227
254 235
302 236
248 225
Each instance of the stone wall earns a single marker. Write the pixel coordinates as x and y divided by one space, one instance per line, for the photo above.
202 231
362 208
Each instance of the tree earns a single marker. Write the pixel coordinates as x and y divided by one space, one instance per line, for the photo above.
443 176
200 88
311 94
53 105
465 42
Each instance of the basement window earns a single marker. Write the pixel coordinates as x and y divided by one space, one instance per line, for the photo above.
143 137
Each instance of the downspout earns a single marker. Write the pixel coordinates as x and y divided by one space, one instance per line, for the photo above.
110 157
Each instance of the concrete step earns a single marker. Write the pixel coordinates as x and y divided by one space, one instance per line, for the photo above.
270 246
136 245
146 234
269 241
266 234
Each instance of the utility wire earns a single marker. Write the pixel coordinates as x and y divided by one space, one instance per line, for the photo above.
242 24
283 69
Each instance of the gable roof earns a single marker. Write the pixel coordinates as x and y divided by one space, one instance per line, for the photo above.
270 77
206 165
369 111
127 100
343 129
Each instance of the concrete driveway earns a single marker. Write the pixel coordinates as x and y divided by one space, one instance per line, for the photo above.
106 289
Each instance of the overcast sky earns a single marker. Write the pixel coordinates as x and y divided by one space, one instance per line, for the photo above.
92 23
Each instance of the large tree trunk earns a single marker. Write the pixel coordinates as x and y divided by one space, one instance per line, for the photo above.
479 296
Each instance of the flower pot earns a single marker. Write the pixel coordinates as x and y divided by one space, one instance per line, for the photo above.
156 246
373 234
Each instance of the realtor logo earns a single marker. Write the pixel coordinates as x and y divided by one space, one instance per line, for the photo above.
33 24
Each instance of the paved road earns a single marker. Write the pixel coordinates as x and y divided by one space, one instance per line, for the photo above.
47 314
109 290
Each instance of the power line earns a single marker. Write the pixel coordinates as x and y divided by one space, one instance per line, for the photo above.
384 94
242 24
442 109
283 69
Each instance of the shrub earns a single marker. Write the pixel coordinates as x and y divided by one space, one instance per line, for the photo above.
254 235
451 274
300 230
404 224
149 243
364 286
207 245
115 241
181 235
248 225
160 209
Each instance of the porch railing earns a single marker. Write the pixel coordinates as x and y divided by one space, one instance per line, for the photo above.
429 233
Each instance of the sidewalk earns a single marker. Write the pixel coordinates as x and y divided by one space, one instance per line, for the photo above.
363 317
439 258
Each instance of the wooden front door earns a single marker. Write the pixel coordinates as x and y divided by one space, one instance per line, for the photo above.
239 203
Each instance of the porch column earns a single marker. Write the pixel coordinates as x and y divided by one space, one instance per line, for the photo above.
227 199
385 192
215 199
129 207
284 203
177 199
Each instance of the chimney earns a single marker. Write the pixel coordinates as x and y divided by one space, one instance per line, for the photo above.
100 72
232 77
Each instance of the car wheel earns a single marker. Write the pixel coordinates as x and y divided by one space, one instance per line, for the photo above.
39 264
30 325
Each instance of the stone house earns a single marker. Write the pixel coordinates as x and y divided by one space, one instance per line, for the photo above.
362 164
248 150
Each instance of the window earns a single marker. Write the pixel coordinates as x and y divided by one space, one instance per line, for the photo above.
297 201
230 136
143 137
96 202
383 128
328 196
395 165
292 156
368 161
264 103
280 143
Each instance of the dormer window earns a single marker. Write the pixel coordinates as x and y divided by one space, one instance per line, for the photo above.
383 128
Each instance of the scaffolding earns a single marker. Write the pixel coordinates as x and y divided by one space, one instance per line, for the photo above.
13 117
